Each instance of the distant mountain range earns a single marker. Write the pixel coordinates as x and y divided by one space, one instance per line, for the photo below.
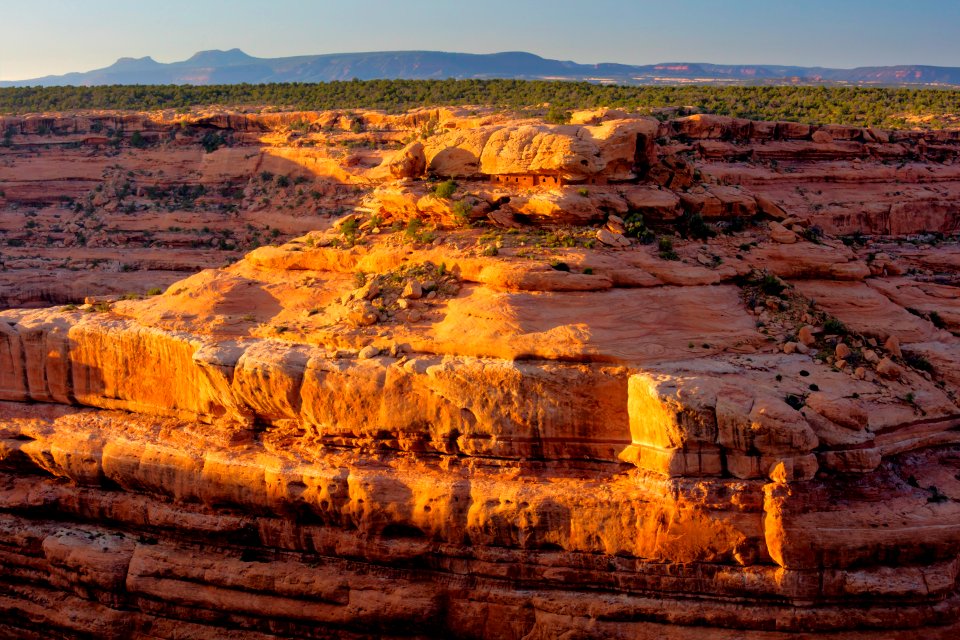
235 66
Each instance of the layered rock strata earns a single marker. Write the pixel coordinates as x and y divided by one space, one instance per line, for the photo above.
165 194
747 428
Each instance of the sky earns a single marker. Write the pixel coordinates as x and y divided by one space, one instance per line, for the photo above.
44 37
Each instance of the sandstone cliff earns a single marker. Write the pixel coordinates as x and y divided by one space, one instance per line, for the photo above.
647 389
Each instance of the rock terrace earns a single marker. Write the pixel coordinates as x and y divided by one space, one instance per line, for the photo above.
616 378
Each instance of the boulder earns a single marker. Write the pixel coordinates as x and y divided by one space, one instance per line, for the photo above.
892 345
779 233
888 369
409 162
541 149
806 335
612 238
653 203
412 290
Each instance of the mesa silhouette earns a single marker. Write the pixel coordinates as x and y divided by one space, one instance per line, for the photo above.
235 66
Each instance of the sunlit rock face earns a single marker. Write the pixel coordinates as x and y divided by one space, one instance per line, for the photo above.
622 379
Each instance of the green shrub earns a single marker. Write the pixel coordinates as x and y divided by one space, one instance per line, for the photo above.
794 401
665 249
349 229
445 189
415 232
772 285
692 225
413 227
858 106
557 115
212 141
835 327
918 362
461 212
813 234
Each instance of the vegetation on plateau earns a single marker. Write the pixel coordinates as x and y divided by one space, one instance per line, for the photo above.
553 99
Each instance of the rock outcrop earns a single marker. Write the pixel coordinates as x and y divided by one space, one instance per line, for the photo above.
663 396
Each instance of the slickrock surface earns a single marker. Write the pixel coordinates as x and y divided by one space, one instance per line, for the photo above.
621 379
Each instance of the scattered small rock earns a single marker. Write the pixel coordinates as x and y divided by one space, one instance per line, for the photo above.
368 291
842 351
612 239
368 352
616 224
364 316
413 290
892 345
821 137
779 233
805 335
888 369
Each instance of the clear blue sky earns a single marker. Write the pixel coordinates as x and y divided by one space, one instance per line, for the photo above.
55 36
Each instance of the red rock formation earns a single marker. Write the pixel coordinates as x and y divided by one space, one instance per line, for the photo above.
745 429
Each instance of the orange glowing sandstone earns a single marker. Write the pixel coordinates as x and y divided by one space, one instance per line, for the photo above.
508 430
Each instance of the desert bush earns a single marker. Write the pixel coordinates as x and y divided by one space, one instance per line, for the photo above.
445 189
665 249
461 212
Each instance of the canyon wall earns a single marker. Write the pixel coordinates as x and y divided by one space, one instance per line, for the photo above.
619 378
